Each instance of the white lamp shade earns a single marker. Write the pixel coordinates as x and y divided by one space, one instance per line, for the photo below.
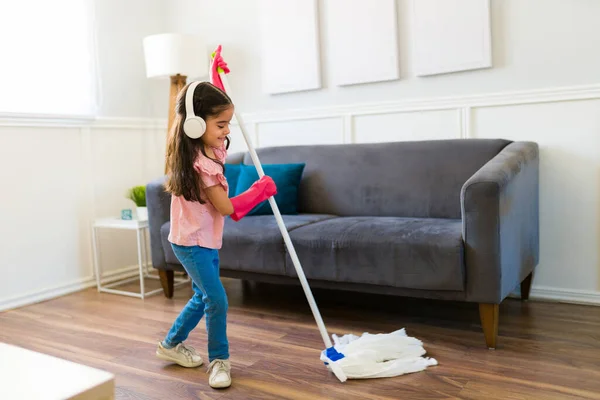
169 54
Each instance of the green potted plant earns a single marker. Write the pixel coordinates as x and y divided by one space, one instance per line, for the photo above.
137 194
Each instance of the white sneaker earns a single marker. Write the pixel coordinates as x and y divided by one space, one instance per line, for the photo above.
181 354
219 374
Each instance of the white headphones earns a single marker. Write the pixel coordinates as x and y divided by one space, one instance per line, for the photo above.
193 126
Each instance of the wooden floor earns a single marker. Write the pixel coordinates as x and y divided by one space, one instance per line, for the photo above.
545 350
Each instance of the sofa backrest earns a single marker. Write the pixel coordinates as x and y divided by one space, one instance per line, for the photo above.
420 179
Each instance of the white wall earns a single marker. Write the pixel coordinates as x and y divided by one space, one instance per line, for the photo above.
534 46
545 86
56 179
59 175
124 89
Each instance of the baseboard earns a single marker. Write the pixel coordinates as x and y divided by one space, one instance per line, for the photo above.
64 289
541 293
570 296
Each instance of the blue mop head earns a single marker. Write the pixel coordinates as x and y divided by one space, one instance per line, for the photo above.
332 355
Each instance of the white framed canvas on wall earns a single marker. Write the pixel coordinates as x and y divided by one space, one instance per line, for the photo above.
290 56
362 41
451 36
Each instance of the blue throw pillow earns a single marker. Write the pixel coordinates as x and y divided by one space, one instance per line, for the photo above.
287 179
232 174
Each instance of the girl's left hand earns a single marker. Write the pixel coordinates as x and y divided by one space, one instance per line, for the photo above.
218 65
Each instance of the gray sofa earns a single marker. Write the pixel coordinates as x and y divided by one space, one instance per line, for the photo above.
442 219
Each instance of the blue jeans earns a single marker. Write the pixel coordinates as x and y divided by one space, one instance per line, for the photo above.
202 265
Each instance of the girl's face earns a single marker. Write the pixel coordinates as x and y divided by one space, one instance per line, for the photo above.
217 128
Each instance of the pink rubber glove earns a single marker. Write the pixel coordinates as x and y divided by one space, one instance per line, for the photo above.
218 65
260 191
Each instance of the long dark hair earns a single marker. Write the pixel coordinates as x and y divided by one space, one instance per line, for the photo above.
182 151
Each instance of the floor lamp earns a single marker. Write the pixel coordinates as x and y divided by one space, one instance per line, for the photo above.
175 56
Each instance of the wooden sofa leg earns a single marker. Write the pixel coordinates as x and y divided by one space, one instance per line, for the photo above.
526 287
167 280
489 314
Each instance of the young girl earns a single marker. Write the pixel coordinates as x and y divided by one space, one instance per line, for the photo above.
199 203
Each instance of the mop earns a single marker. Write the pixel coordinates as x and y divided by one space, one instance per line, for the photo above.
352 357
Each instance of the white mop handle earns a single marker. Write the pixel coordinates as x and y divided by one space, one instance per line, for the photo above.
282 228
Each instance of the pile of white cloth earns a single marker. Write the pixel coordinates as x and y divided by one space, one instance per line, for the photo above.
380 355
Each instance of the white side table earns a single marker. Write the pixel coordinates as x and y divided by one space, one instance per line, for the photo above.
141 228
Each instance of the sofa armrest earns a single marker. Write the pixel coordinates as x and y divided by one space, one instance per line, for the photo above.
159 212
500 217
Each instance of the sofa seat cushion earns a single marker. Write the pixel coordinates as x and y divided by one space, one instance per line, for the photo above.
255 243
252 244
410 253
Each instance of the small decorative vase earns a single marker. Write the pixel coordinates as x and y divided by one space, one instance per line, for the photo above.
142 213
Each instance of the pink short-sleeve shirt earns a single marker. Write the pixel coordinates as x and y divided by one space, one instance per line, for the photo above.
195 224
